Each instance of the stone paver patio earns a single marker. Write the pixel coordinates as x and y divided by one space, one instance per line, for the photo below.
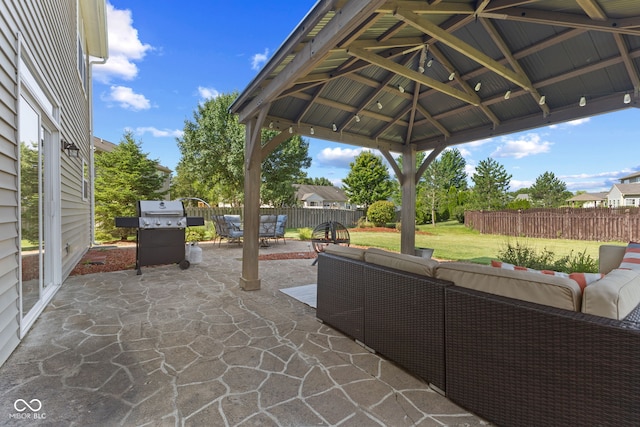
188 347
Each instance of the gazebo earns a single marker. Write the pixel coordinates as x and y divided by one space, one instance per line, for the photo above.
411 76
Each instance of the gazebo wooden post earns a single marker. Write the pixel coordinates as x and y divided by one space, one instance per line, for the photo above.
250 281
408 186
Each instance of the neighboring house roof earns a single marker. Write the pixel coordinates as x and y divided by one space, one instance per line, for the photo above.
589 197
628 189
522 196
323 192
633 175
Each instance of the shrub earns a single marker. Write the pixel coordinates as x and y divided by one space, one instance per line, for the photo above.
195 234
527 256
305 233
381 212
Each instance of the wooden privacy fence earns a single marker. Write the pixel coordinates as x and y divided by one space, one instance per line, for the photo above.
296 217
597 224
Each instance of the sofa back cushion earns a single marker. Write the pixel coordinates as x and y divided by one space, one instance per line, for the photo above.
613 296
346 251
409 263
610 257
554 291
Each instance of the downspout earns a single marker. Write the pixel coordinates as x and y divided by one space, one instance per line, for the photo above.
92 149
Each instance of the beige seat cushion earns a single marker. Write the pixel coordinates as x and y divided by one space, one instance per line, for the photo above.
410 263
346 251
613 296
534 287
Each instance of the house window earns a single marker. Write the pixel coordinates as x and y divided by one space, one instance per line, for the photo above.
85 180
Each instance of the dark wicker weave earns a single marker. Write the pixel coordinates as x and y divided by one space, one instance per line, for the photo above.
404 320
399 315
521 364
340 295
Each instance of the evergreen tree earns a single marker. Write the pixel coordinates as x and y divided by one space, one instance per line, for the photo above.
123 177
491 182
549 191
315 181
368 180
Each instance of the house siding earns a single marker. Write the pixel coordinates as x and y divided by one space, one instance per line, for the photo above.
48 31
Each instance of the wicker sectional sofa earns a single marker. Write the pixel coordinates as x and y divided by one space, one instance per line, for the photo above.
513 347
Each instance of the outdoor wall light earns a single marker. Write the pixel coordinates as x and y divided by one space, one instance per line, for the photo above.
583 101
379 104
71 148
627 98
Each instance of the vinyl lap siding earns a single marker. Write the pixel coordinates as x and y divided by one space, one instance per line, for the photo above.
9 271
49 32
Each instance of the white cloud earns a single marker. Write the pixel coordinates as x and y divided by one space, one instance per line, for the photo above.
525 145
338 157
124 47
127 99
259 59
579 122
207 92
516 184
160 133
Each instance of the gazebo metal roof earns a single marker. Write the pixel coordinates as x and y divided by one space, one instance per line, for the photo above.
448 72
410 76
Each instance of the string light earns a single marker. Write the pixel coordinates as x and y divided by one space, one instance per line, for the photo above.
357 118
290 129
627 98
271 125
401 89
583 101
543 100
507 95
452 75
334 127
379 104
478 86
311 131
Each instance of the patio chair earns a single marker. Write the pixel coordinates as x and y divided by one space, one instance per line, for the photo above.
267 229
281 223
228 228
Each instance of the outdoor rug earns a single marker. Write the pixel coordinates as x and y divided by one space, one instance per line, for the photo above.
306 294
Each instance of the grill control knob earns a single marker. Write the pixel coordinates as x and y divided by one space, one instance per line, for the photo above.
158 222
179 223
146 223
169 223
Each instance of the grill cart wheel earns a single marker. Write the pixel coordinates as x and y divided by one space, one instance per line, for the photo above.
329 233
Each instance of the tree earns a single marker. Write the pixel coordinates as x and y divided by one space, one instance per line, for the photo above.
123 177
549 191
29 191
368 180
315 181
282 168
381 212
212 149
491 182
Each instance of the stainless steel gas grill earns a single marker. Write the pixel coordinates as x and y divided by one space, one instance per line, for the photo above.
160 237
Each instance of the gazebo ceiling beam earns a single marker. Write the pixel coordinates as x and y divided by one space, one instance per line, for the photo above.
349 18
513 62
462 47
413 75
560 19
375 94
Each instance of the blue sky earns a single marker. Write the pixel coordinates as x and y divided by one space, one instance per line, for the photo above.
166 57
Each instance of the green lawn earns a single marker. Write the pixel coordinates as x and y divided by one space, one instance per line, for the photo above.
453 241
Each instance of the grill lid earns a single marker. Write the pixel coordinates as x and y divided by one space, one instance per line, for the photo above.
162 208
